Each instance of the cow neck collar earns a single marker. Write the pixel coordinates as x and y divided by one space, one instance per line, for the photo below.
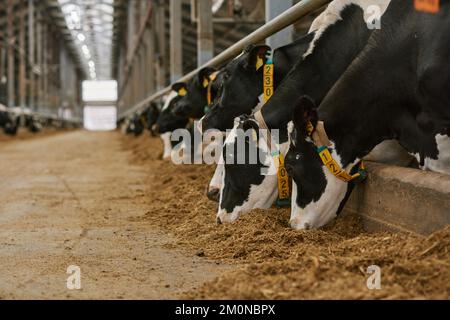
284 190
262 124
318 134
322 142
211 78
268 85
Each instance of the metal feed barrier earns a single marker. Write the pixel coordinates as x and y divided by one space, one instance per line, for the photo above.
40 115
284 20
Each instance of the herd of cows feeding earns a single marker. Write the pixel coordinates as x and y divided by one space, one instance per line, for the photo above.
10 122
354 87
12 119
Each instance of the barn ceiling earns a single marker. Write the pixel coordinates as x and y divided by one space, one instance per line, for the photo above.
90 26
93 30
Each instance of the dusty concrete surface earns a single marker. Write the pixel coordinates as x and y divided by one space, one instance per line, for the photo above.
71 199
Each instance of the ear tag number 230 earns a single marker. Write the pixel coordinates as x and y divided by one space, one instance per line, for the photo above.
268 81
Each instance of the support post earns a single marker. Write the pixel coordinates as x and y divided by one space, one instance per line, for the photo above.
39 82
131 24
22 53
31 44
161 32
11 43
205 45
176 41
150 61
45 73
273 9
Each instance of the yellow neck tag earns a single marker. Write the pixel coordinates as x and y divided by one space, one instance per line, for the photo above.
208 96
213 76
309 128
259 62
182 92
268 82
283 179
334 167
205 82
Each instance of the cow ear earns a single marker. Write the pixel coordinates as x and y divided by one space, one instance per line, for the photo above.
257 57
305 116
180 88
203 76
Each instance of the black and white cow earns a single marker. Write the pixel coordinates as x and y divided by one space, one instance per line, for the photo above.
168 122
194 100
196 97
337 42
137 125
242 86
397 88
31 122
151 114
4 118
9 121
240 90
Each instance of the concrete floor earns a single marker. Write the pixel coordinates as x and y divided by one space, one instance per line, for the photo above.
71 199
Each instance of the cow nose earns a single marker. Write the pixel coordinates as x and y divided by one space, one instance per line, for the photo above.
218 221
213 194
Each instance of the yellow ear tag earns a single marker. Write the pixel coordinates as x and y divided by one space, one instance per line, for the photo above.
309 128
259 63
182 92
205 82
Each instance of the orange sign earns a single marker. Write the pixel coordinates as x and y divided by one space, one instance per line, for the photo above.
431 6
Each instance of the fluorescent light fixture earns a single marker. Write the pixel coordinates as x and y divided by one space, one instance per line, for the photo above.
81 37
91 26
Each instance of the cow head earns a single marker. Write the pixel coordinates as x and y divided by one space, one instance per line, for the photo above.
242 85
167 121
245 185
193 99
137 125
11 126
317 195
152 114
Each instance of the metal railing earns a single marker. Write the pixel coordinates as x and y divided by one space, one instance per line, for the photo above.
284 20
40 115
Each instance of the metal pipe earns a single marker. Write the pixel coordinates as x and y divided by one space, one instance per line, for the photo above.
283 20
41 115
